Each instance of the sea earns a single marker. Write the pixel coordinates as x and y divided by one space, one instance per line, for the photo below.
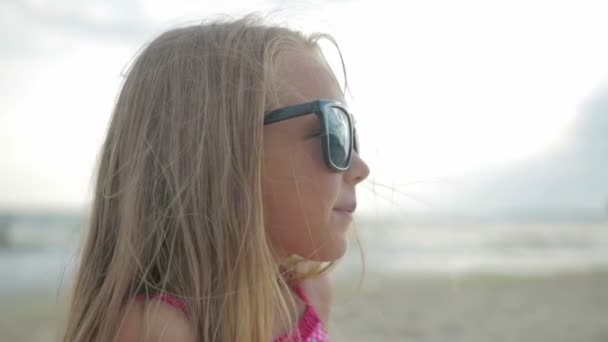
41 253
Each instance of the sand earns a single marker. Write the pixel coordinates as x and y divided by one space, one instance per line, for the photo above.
560 307
476 307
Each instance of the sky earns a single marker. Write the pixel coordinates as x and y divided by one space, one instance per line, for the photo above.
442 90
569 180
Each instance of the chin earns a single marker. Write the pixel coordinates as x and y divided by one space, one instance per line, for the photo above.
332 251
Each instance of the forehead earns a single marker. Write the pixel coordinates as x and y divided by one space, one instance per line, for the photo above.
303 76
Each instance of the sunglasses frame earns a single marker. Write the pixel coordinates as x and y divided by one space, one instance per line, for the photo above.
321 108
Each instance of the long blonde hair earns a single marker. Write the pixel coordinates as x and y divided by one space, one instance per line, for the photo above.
177 204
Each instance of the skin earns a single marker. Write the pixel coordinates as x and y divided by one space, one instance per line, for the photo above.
300 195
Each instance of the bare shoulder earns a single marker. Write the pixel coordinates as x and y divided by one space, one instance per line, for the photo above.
319 289
156 321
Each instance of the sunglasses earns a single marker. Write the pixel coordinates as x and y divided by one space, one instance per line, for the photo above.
337 129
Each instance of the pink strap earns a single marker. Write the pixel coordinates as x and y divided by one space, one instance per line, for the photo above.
300 292
173 301
310 325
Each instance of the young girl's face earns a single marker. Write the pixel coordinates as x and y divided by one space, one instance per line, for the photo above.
306 205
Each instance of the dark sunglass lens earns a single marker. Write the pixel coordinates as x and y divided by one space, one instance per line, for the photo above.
355 140
339 137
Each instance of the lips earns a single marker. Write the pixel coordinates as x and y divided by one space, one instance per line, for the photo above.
349 208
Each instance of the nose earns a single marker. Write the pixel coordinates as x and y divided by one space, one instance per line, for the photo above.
357 171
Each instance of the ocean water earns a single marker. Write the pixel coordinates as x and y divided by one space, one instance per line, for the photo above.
43 256
39 254
35 270
478 247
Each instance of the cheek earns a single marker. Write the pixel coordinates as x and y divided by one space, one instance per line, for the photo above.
299 194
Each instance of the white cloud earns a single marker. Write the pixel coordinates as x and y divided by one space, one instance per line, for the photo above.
441 88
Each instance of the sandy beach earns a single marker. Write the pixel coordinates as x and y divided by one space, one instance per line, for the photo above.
478 307
474 307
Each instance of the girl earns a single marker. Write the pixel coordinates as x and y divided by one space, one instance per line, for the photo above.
225 184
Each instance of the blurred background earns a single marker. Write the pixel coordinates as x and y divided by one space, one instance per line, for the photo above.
484 123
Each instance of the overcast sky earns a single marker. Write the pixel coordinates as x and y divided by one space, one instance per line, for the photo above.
441 89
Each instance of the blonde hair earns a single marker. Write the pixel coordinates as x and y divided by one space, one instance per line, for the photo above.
177 204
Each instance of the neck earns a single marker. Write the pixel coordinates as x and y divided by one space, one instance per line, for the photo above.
296 309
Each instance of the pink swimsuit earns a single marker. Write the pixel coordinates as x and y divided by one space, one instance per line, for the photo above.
310 327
